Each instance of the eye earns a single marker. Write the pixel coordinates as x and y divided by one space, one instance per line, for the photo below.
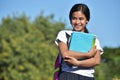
81 18
74 18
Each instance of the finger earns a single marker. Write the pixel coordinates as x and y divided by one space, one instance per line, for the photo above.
67 60
68 57
94 47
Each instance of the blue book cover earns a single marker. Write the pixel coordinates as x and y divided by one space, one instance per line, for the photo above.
81 42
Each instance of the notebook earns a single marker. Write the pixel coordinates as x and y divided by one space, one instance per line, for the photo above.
81 42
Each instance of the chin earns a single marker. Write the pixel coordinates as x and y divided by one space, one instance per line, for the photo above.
77 29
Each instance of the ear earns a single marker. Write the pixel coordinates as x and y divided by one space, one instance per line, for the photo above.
86 22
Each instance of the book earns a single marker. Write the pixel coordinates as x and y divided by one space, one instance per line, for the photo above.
81 42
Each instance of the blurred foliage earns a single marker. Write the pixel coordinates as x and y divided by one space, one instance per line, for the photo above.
28 51
109 69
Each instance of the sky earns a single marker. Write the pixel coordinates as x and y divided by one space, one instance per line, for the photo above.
104 21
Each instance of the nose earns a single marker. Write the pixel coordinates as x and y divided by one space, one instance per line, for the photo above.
77 21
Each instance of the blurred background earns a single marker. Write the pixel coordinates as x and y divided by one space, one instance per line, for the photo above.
28 29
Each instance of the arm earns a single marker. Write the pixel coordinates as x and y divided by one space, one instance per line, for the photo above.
65 52
85 63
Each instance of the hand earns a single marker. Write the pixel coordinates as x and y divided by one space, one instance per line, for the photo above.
71 60
92 52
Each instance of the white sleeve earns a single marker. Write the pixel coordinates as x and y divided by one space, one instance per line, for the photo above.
61 37
97 44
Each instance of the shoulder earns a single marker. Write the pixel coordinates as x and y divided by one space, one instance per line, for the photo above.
62 32
62 36
98 45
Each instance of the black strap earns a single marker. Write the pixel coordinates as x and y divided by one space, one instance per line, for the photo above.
68 39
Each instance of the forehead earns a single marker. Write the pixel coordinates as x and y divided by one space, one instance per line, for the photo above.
78 14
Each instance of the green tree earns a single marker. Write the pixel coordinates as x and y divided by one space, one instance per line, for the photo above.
109 67
27 49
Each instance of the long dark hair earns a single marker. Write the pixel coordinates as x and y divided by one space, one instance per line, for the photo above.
84 9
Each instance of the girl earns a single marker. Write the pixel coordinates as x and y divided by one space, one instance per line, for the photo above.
79 17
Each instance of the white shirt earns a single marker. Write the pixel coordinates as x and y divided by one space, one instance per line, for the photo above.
68 68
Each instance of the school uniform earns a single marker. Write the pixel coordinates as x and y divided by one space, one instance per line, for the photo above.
69 72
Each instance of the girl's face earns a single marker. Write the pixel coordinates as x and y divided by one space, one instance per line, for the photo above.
78 21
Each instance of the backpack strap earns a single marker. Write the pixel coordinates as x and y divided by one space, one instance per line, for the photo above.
58 62
68 38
